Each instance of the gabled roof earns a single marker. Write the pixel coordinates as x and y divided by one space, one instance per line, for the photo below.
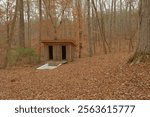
60 41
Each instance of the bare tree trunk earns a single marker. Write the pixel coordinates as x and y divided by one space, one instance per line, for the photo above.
56 23
10 36
111 23
93 32
130 28
40 33
79 26
101 27
21 24
7 15
89 29
114 19
29 23
142 53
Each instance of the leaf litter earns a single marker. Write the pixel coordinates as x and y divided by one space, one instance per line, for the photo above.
99 77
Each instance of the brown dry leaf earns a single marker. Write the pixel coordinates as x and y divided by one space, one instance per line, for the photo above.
99 77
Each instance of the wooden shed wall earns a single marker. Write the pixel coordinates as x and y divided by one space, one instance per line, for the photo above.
57 52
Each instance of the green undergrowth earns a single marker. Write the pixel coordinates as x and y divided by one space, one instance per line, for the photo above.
22 55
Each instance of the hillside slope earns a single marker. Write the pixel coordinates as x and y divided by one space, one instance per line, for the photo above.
99 77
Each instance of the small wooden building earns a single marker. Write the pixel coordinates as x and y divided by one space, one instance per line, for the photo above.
58 50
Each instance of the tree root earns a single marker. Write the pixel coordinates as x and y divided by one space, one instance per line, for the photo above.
139 58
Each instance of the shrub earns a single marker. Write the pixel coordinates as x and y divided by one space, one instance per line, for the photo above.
22 55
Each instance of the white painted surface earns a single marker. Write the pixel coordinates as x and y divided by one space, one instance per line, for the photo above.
47 67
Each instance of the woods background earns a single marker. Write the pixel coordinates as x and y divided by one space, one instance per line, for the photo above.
97 26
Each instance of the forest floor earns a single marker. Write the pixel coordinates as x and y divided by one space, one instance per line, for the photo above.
99 77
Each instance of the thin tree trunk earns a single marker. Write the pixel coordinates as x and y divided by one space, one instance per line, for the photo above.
29 24
40 21
89 29
130 28
79 26
21 24
101 28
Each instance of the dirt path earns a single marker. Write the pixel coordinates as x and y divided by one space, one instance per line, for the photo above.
99 77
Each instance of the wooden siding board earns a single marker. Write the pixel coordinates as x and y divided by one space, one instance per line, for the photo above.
57 51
